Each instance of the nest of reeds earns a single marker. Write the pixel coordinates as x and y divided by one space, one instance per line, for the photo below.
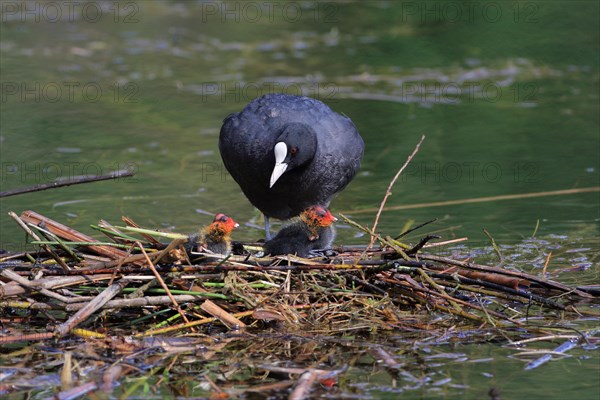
362 287
135 286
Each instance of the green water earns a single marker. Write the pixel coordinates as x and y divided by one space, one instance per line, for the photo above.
505 92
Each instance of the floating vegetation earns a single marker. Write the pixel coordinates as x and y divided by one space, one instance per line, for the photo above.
134 309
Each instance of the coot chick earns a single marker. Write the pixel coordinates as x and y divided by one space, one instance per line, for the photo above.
215 237
288 153
313 231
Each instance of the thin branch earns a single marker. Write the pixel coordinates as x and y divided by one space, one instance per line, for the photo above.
389 190
90 308
162 282
75 181
406 232
496 249
47 248
479 200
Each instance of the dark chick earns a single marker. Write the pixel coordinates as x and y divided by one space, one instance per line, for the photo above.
288 153
312 231
216 237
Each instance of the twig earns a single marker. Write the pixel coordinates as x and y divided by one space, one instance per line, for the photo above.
23 338
501 271
202 321
542 338
77 392
52 237
456 301
26 305
491 321
440 290
61 243
162 283
66 373
479 200
226 318
113 233
446 242
24 226
302 388
422 243
537 225
370 232
7 273
64 232
566 346
75 181
491 285
496 249
132 224
380 354
406 232
389 190
139 302
546 263
144 232
90 308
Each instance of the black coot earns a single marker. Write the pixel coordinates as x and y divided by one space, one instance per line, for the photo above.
289 152
313 231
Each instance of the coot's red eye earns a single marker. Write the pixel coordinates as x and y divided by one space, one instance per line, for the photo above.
293 150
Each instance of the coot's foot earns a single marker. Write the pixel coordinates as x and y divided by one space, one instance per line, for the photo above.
322 253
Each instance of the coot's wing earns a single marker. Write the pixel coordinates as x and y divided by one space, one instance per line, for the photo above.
244 143
340 153
292 238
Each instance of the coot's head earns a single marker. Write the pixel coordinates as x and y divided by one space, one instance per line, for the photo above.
222 225
295 147
317 216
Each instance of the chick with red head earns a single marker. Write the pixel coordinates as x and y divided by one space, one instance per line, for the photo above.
311 232
216 237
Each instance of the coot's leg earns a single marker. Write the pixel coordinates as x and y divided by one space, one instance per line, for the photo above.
267 228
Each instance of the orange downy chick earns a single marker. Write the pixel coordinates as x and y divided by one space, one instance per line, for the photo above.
216 237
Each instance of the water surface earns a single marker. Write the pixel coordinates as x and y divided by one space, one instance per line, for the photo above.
508 102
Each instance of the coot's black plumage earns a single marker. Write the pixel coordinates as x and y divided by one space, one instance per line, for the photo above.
319 155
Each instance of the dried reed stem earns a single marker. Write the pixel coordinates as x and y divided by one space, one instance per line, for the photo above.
389 190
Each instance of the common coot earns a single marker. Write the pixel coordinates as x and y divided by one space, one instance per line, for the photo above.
289 152
215 237
312 231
